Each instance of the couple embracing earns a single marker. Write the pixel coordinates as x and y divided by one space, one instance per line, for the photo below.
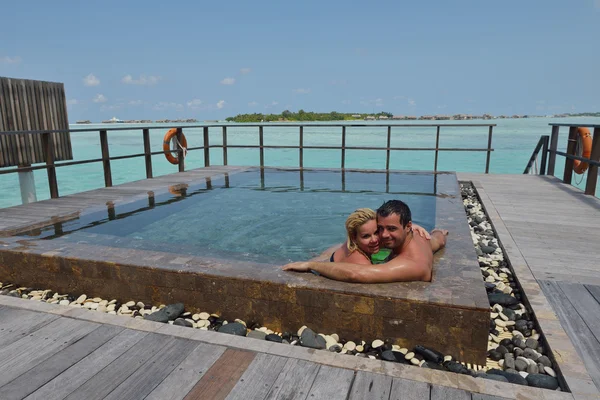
412 248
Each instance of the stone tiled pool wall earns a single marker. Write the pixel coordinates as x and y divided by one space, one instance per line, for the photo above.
450 314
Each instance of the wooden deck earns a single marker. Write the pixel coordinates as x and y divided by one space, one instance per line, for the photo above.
49 351
551 229
46 356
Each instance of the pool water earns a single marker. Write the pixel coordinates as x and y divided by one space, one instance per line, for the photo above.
271 216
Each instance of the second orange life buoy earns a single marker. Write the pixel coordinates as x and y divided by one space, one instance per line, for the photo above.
166 143
586 139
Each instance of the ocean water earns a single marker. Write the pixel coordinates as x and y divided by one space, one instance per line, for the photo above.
513 141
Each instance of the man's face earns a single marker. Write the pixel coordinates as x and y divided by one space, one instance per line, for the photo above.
391 232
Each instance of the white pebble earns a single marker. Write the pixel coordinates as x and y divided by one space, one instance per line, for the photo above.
64 302
335 337
81 299
409 356
302 328
550 372
130 304
349 346
448 358
196 317
376 343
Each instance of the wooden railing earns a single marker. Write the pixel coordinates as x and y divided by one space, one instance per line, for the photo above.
50 165
593 161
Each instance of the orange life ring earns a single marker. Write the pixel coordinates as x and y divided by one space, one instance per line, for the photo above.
586 139
166 143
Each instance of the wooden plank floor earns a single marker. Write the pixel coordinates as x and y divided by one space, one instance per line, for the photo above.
555 228
53 357
554 225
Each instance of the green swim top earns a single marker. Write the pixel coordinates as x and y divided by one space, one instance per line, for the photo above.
381 256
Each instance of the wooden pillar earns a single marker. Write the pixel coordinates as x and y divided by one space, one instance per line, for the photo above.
553 148
489 151
147 153
389 144
301 149
260 145
180 157
592 178
105 158
225 147
343 149
437 146
568 173
206 147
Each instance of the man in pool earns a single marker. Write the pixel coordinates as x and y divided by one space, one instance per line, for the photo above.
411 258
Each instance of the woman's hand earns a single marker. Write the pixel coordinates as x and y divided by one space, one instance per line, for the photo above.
301 266
421 231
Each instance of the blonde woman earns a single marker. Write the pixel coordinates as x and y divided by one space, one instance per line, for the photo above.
362 239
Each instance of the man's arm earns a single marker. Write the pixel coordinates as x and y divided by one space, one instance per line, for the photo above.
393 271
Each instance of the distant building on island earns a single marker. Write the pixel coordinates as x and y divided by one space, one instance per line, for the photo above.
85 121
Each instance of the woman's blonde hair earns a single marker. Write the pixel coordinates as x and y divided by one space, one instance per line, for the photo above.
355 221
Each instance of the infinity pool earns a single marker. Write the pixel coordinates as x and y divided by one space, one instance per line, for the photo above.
269 216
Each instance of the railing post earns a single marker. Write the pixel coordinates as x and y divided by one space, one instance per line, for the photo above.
206 147
301 149
389 144
105 158
225 146
489 151
553 148
592 178
437 146
544 155
180 158
48 144
261 144
147 153
568 173
343 147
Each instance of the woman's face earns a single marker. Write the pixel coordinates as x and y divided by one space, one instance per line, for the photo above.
367 237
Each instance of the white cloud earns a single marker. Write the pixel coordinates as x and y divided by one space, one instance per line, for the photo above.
91 80
72 102
442 106
220 104
194 104
228 81
143 80
399 97
346 101
136 102
274 103
10 60
245 71
111 107
163 105
252 104
100 98
301 91
412 102
379 102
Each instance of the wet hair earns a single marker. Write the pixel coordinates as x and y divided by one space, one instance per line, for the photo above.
355 220
396 207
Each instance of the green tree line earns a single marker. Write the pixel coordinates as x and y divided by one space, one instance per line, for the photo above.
302 115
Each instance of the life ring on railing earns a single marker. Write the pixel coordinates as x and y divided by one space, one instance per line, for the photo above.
167 142
584 141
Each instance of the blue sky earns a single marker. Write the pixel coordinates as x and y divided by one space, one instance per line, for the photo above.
210 60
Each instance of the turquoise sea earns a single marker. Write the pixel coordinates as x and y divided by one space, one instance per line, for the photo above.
513 143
